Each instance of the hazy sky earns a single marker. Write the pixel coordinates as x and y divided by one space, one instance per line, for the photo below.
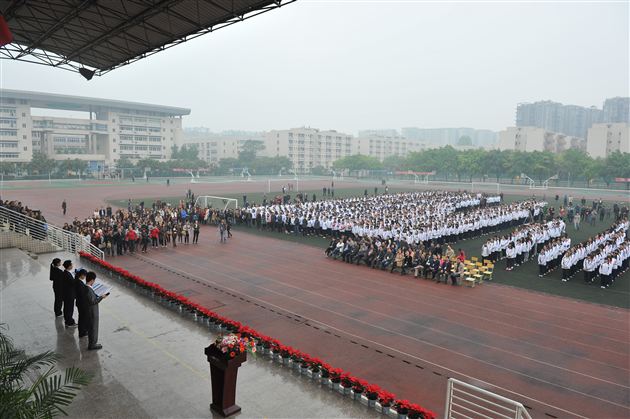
350 65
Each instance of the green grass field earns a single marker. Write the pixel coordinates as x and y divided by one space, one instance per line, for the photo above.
524 276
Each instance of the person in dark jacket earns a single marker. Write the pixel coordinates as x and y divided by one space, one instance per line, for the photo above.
81 301
92 301
56 276
69 293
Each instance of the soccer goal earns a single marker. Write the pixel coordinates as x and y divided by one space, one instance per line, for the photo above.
210 201
487 187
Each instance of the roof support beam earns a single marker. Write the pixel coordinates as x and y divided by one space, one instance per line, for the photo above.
145 14
74 13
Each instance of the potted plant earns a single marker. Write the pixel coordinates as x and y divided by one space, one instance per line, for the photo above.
370 395
325 376
402 408
385 400
418 412
346 384
225 356
335 379
31 384
358 387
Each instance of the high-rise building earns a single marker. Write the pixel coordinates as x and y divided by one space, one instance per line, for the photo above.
571 119
617 109
110 130
437 137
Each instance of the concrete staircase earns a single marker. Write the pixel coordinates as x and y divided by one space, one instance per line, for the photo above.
9 239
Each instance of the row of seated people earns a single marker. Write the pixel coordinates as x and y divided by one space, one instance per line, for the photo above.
433 261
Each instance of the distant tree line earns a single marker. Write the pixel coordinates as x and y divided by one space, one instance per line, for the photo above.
449 163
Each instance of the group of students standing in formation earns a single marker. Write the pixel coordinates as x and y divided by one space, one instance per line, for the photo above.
526 241
415 217
75 288
606 254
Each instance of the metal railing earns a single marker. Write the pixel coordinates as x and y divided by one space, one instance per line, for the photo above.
26 226
467 401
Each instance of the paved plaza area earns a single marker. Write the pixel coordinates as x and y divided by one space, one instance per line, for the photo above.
152 362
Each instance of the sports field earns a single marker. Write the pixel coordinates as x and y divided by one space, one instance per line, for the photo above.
525 276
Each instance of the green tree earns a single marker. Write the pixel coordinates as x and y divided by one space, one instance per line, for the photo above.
226 165
470 163
249 151
185 152
494 162
572 164
124 163
31 386
464 140
618 165
268 165
395 162
319 171
358 162
41 164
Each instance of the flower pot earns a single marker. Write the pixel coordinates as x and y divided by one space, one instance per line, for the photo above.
324 380
316 375
355 395
286 361
304 369
401 416
347 391
223 375
338 387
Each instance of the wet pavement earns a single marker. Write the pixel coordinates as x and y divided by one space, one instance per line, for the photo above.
152 362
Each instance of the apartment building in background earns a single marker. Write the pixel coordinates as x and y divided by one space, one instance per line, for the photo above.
308 148
383 147
604 139
214 146
538 139
110 129
438 137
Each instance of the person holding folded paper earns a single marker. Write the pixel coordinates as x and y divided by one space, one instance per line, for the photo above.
93 301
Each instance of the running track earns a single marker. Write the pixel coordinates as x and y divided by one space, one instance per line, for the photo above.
560 357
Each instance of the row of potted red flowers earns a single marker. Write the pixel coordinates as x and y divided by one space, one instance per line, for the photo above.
336 375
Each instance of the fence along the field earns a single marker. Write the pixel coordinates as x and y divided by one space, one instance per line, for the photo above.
465 400
18 223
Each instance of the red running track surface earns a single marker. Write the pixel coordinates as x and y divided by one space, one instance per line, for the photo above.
560 357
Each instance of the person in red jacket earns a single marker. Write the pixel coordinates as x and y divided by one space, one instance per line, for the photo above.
131 237
155 233
461 256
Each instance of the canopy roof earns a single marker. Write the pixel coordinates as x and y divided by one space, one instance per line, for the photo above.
106 34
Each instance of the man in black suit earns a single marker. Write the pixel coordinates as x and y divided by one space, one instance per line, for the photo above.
56 276
69 293
92 301
81 300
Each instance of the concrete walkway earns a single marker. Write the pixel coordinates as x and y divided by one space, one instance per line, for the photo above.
152 362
